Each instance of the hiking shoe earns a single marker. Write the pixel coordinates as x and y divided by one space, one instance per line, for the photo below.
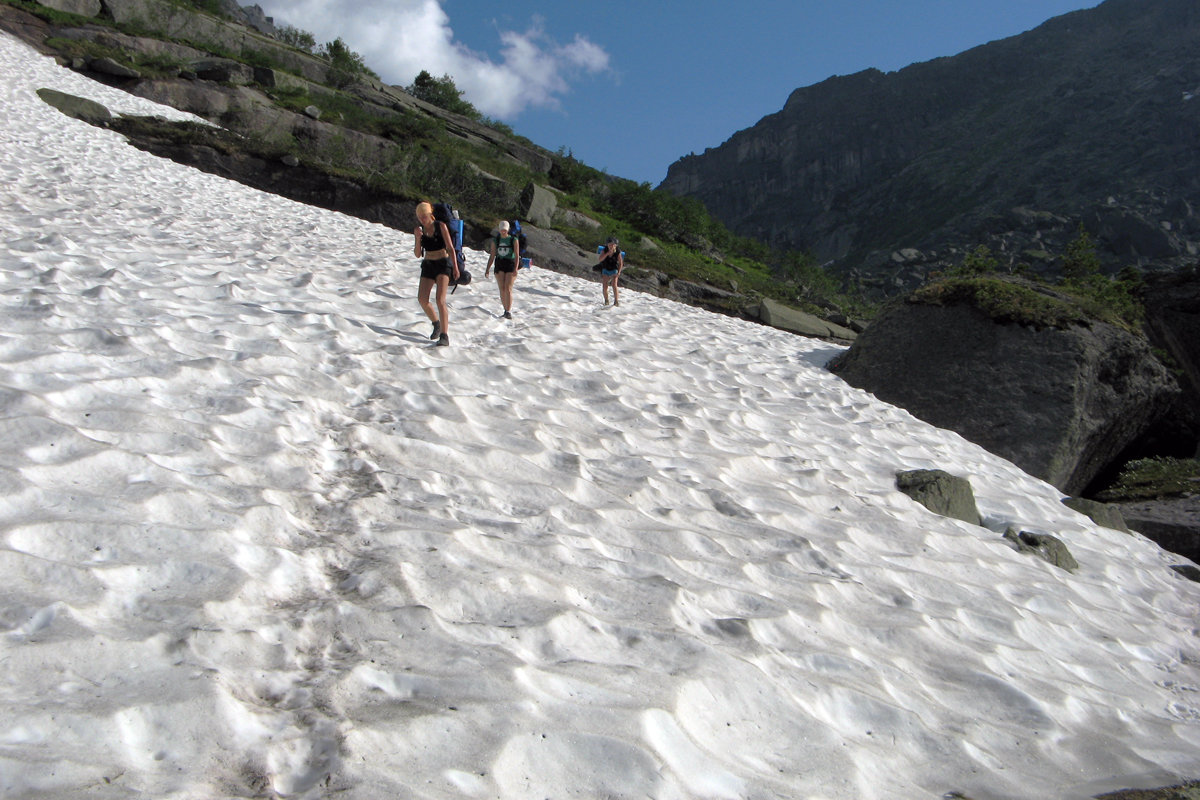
443 341
437 330
508 315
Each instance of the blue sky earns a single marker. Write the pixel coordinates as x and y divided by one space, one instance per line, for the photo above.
630 87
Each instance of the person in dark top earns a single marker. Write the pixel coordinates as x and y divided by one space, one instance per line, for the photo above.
438 265
506 254
611 264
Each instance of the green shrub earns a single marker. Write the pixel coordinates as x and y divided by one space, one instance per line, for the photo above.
442 93
979 261
1154 477
297 38
344 60
1002 300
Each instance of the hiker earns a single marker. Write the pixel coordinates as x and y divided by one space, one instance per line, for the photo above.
611 264
438 266
506 254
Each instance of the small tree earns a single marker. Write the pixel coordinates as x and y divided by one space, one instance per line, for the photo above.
343 59
295 37
979 261
1080 261
442 93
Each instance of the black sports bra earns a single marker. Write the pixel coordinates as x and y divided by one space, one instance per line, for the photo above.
433 243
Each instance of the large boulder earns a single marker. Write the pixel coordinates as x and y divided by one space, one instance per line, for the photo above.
80 108
777 315
1062 403
1046 547
538 205
940 492
1105 514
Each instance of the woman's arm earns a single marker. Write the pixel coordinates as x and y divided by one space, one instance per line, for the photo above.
450 254
417 251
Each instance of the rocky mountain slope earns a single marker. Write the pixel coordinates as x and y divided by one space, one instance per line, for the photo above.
1089 119
295 125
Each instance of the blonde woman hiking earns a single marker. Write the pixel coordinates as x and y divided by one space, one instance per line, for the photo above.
438 266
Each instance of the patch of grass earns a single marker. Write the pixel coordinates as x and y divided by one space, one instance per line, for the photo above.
195 134
1148 478
1003 301
149 65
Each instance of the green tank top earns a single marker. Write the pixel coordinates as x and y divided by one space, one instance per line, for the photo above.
504 247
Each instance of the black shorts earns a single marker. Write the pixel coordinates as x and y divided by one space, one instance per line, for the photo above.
432 268
506 265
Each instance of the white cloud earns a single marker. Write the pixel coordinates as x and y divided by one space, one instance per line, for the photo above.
399 38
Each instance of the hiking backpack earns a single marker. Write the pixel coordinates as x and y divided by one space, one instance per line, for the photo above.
517 233
444 212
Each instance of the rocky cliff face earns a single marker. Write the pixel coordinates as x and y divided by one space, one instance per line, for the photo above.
1090 118
1062 403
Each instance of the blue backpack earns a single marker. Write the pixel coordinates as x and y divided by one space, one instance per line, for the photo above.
519 235
444 212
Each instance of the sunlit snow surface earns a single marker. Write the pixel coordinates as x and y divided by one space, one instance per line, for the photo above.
261 538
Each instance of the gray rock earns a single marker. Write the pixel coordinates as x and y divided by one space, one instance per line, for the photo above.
574 219
780 316
1046 547
107 66
223 70
253 16
1188 571
1104 514
1172 523
538 205
264 76
940 492
84 8
312 112
689 291
78 107
1173 319
1060 404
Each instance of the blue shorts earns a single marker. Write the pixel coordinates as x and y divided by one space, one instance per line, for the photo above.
608 273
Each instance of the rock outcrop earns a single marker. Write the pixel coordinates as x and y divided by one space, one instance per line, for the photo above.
1173 523
1046 547
1059 403
80 108
940 492
785 318
1172 302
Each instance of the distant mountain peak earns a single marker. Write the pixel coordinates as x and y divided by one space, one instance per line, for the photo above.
1092 110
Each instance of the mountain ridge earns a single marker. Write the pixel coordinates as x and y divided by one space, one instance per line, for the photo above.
1084 118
